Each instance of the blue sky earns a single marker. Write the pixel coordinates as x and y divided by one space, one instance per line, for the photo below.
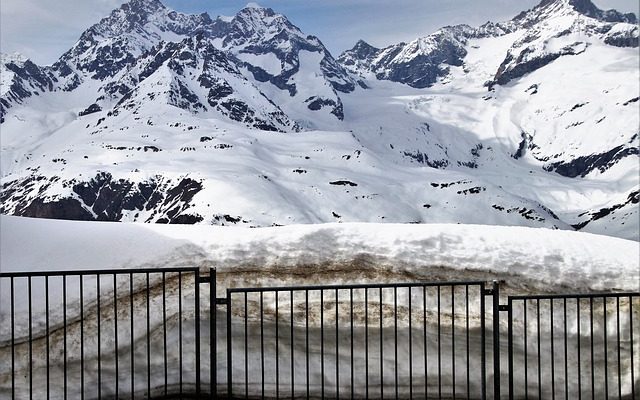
44 29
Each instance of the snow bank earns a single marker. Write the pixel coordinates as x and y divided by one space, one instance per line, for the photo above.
528 259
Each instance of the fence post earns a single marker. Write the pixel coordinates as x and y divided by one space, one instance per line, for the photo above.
213 336
229 344
510 328
496 339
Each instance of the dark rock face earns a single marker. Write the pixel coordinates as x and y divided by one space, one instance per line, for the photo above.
515 67
582 166
423 158
104 198
343 183
316 103
633 198
424 60
29 79
93 108
361 51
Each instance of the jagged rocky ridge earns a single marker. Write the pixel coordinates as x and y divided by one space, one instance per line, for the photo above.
421 62
108 50
177 98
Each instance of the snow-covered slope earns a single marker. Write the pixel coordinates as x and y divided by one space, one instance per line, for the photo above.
157 116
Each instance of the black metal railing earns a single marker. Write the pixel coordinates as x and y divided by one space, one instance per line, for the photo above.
99 334
573 346
153 333
358 341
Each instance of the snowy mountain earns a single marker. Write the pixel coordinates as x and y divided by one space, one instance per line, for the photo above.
158 116
421 62
295 69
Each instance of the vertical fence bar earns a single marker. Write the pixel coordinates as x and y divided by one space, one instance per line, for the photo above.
496 340
132 343
539 354
381 352
483 355
466 310
148 339
99 348
180 328
30 344
261 336
593 380
196 280
64 336
322 340
13 341
566 351
618 342
579 349
213 334
115 333
526 352
510 345
82 337
246 347
553 370
293 384
439 350
229 352
633 381
606 358
306 342
337 350
453 341
46 308
277 294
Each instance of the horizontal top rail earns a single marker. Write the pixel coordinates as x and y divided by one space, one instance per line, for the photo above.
26 274
574 296
355 286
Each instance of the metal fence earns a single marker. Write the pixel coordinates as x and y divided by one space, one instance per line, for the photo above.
163 333
99 334
573 346
358 341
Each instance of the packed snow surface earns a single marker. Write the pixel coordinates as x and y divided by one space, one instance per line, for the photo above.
544 259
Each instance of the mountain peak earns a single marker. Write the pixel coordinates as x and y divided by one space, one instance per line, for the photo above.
363 50
143 6
257 9
587 8
253 5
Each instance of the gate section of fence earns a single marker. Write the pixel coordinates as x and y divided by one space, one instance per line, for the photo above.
419 340
574 346
99 334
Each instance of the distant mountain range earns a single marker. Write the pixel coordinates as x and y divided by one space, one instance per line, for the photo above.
159 116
